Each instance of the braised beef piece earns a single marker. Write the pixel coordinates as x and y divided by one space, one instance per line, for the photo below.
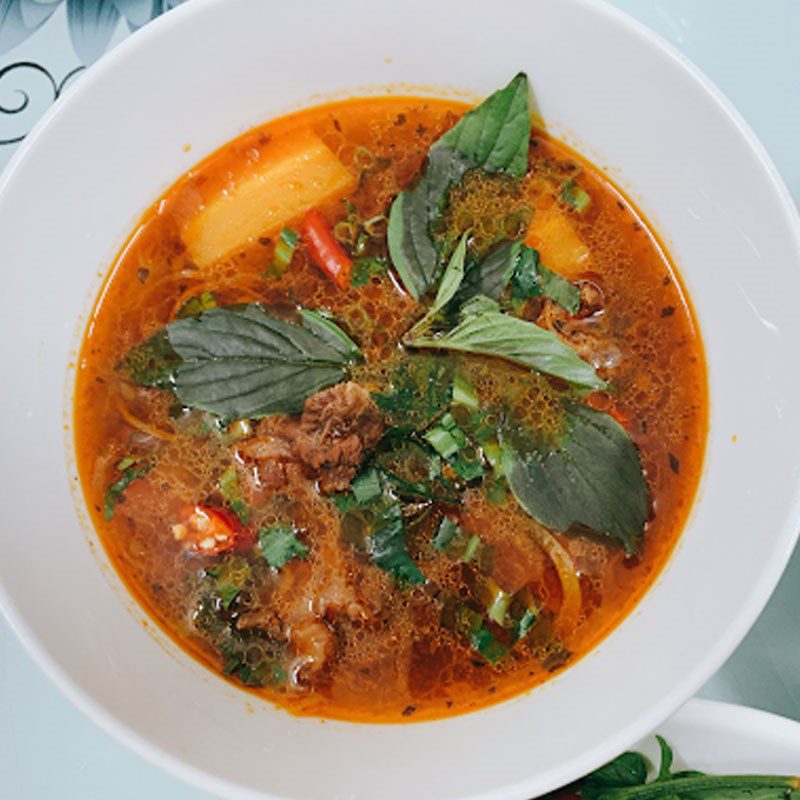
337 428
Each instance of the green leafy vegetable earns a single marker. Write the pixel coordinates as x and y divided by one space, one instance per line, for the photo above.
516 265
367 487
420 389
590 476
488 332
152 363
531 279
484 642
388 547
194 305
494 136
625 778
575 196
131 469
229 578
375 512
489 277
232 492
365 268
241 362
279 545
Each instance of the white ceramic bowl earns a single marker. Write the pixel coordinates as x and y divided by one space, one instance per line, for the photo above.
205 73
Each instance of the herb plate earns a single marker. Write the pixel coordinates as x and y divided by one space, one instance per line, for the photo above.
726 739
678 148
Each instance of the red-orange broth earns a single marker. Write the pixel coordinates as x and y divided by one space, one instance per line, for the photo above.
330 633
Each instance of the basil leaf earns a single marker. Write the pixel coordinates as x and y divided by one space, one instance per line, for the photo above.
488 332
279 545
664 771
242 363
531 279
452 277
411 247
629 769
591 476
517 264
494 136
490 276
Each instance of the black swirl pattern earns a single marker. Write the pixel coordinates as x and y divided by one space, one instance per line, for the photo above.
24 88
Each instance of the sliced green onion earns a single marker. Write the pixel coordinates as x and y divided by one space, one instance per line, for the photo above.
345 232
446 438
284 250
575 196
229 488
500 602
448 530
471 550
484 642
464 392
196 305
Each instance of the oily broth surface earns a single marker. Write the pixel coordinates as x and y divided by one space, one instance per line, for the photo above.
402 664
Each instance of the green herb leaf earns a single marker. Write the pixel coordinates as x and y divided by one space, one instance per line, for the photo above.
367 487
131 470
494 136
492 333
452 277
664 770
589 477
625 778
628 769
531 279
152 363
229 578
241 362
284 251
484 642
489 277
420 389
452 444
365 268
388 547
279 545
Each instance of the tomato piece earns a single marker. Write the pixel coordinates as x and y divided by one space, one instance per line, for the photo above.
208 531
326 253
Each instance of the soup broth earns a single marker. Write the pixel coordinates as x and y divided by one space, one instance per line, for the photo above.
371 550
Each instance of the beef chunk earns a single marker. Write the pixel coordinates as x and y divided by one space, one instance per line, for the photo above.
337 427
329 441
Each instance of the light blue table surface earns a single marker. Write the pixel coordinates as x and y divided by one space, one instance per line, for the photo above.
749 48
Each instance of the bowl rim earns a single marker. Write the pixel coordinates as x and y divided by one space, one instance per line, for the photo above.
758 593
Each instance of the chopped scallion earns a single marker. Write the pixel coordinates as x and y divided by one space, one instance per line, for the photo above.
575 196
